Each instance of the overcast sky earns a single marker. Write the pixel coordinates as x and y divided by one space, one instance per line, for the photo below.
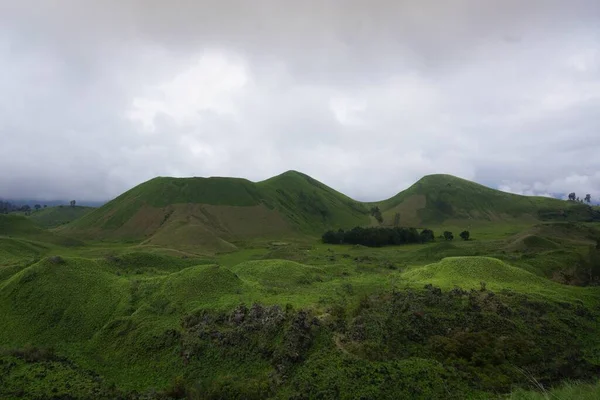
366 96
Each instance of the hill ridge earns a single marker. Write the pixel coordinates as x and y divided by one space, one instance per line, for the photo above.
217 212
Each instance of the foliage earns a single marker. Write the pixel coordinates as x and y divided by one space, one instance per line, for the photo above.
376 212
448 235
465 235
377 237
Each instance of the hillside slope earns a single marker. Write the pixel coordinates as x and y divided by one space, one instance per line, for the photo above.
52 217
438 198
17 226
216 212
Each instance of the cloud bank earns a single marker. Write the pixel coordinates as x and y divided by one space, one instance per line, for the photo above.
365 96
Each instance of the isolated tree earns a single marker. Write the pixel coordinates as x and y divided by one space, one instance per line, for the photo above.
427 235
572 196
397 219
465 235
448 235
25 208
376 212
588 198
45 205
37 206
73 202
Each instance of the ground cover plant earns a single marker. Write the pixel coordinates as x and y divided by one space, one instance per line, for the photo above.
163 293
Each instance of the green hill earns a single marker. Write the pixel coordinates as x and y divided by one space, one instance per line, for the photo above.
217 214
438 198
214 213
51 217
17 226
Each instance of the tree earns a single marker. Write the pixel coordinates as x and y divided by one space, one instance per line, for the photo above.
397 219
427 235
37 206
572 196
376 212
448 235
465 235
45 205
588 198
73 202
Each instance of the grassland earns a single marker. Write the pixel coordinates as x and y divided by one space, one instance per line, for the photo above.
52 217
147 309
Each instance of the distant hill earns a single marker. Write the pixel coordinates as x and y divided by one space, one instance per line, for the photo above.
435 199
51 217
215 213
21 227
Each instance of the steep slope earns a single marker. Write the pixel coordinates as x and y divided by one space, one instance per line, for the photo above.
437 198
214 213
310 204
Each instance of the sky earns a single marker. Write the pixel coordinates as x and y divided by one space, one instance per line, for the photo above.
365 96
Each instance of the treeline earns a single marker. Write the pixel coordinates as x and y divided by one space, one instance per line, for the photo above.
7 206
378 237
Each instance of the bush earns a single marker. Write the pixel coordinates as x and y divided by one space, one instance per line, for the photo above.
58 260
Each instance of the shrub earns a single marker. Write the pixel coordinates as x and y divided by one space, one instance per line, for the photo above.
57 260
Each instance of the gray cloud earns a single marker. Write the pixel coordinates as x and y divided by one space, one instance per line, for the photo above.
365 96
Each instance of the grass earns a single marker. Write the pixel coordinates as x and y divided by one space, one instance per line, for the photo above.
445 197
278 273
470 272
220 287
566 391
17 226
58 300
52 217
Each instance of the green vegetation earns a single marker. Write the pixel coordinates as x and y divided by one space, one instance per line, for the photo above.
377 237
220 288
52 217
437 198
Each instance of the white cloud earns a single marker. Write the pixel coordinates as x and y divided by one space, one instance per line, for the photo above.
365 96
209 84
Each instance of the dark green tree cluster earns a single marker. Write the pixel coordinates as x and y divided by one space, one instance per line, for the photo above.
378 237
587 198
376 212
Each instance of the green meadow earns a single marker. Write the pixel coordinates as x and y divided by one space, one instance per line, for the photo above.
218 288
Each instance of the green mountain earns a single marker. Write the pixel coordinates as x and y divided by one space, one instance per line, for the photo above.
437 199
217 212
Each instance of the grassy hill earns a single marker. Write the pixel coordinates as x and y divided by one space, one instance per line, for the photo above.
215 213
20 227
51 217
438 198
